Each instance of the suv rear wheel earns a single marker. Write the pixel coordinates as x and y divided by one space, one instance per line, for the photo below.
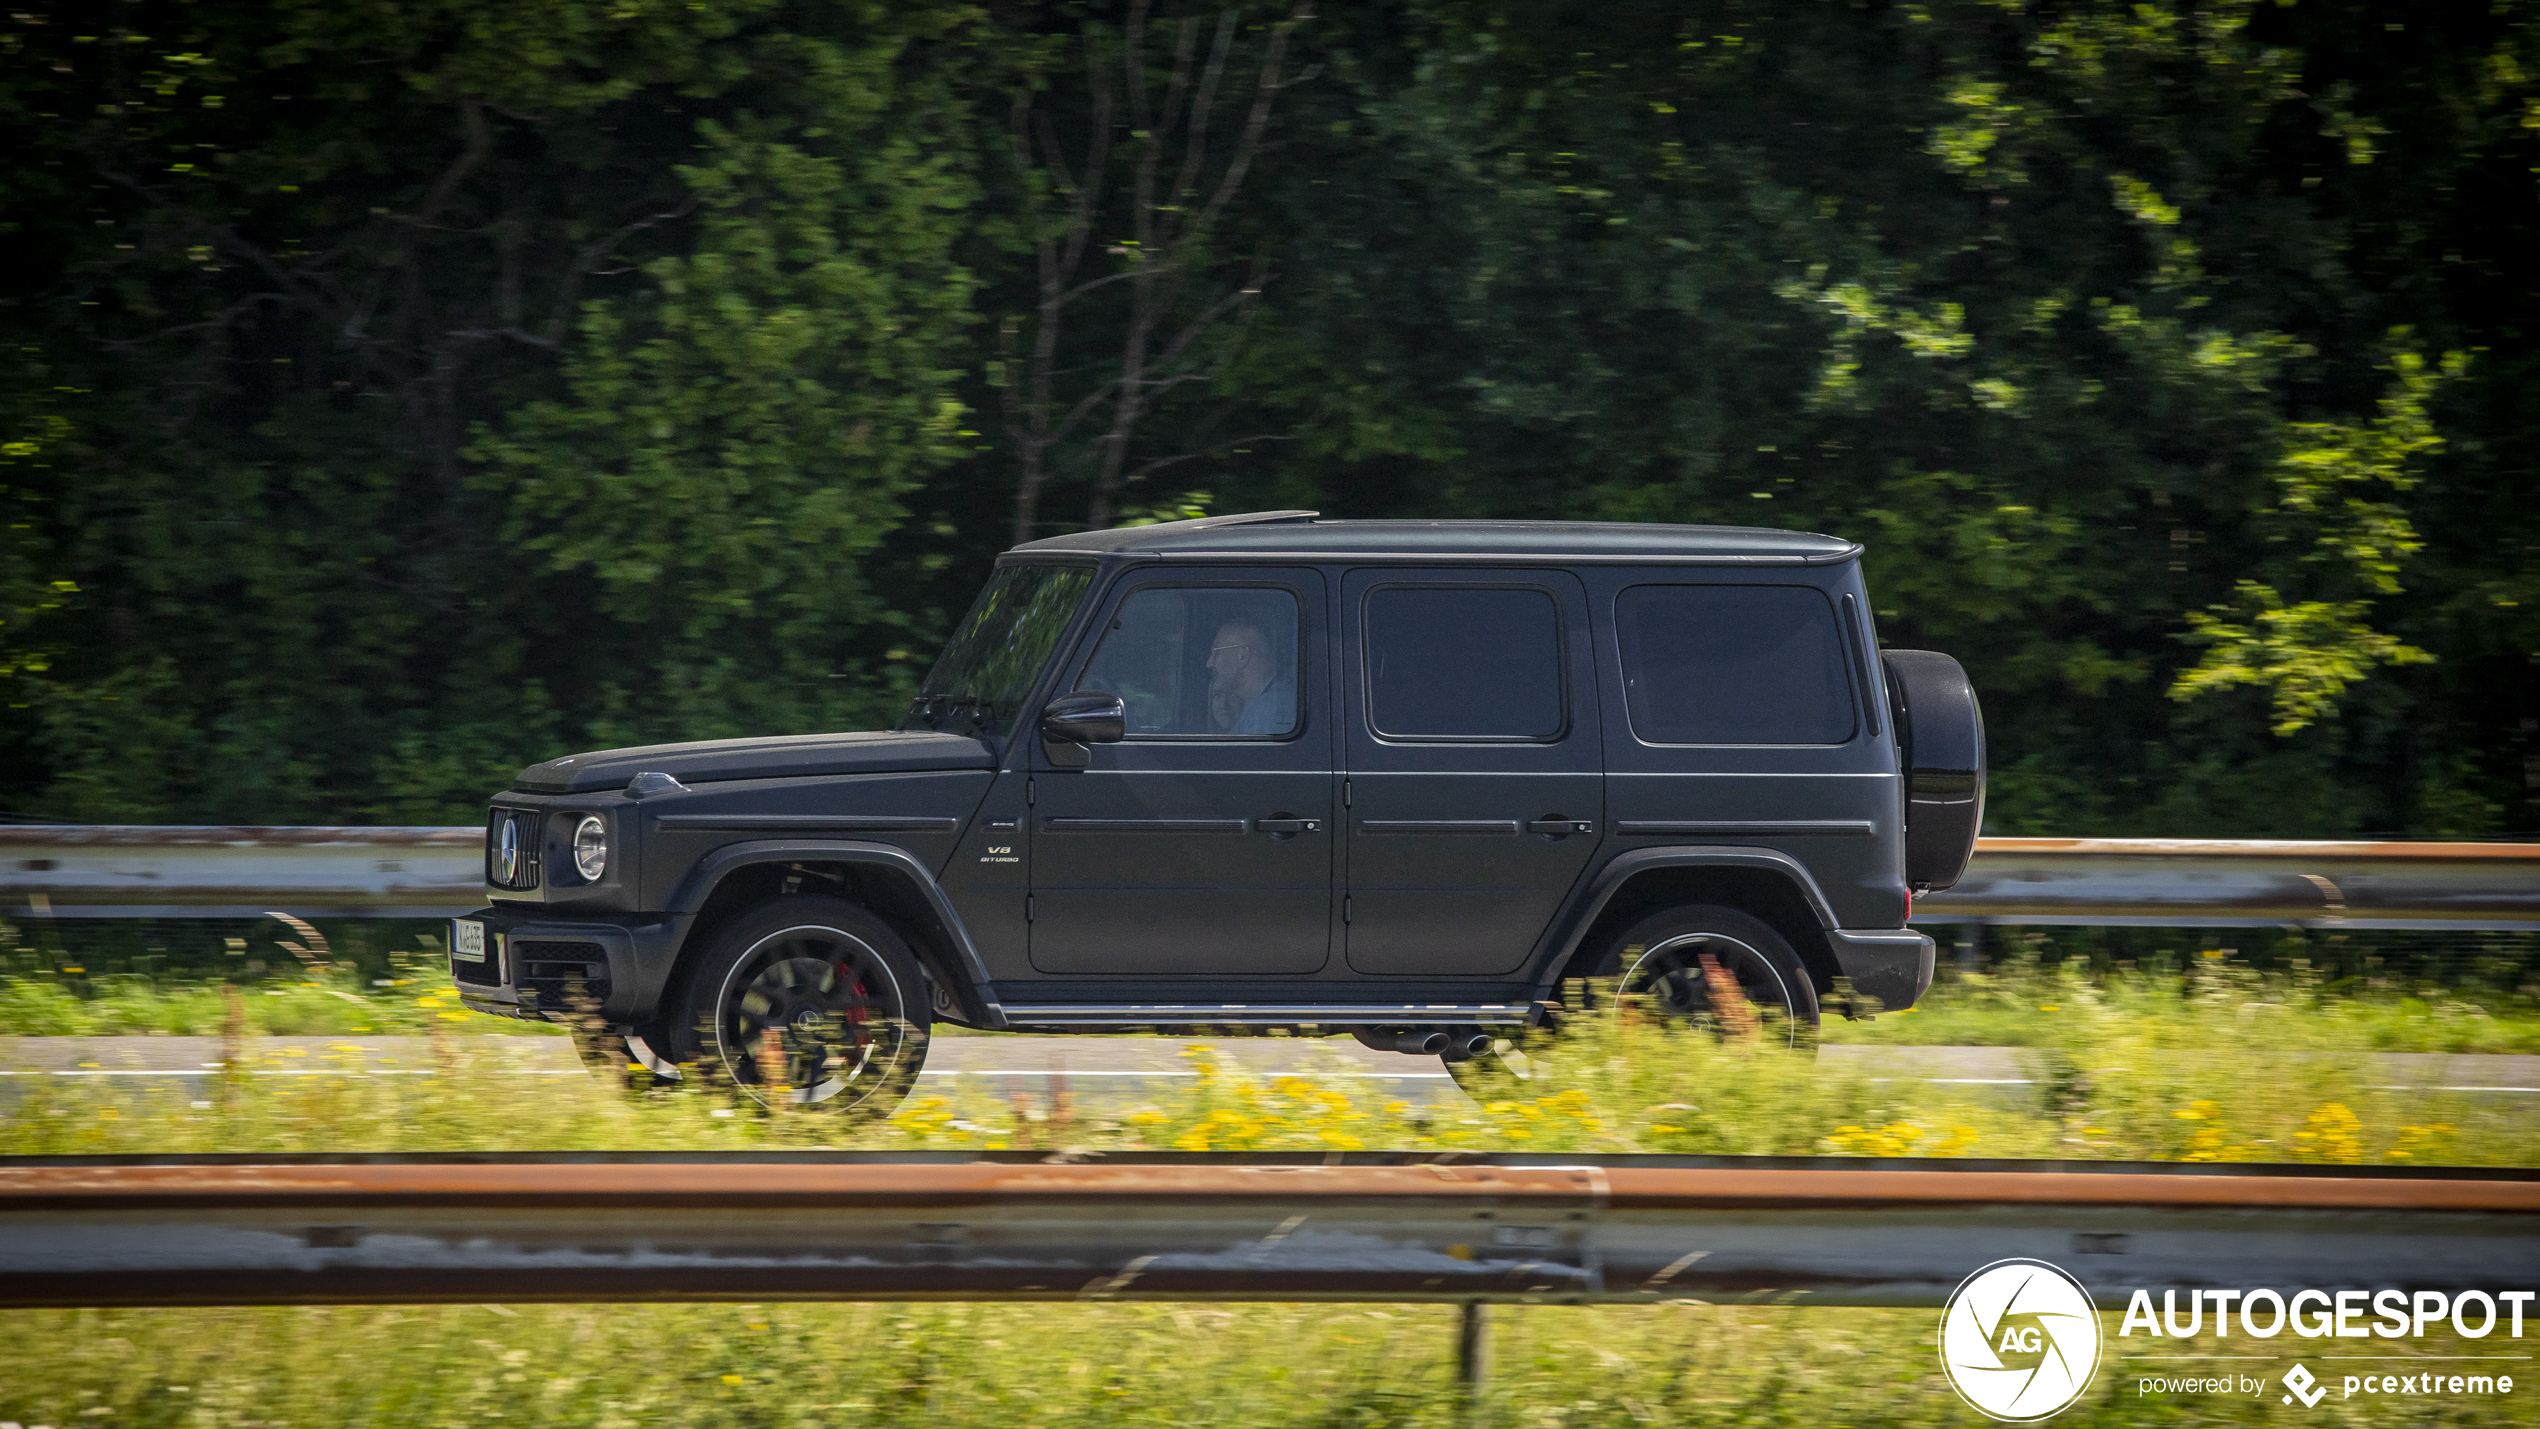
810 1001
1676 964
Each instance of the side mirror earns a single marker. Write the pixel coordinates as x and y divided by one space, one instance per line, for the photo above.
1085 717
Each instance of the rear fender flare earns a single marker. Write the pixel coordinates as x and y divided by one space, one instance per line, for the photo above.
1570 933
942 943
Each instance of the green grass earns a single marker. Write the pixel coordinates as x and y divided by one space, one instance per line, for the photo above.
2227 1068
955 1366
328 1005
2022 1001
2216 1063
2045 988
2025 1004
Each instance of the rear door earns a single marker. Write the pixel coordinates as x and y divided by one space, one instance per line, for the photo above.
1201 844
1473 765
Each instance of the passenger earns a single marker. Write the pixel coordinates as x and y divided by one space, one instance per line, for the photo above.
1247 691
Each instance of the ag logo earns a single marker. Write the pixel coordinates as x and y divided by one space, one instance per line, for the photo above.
2019 1340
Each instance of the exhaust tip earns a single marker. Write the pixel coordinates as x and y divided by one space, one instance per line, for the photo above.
1421 1044
1469 1043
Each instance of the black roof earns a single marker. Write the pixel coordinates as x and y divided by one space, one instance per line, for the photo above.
1305 535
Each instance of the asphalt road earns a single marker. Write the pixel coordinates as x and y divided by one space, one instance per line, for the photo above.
1089 1066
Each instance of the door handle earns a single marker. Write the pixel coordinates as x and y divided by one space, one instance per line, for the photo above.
1557 827
1284 825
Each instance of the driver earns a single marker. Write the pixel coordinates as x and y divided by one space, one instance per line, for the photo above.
1247 691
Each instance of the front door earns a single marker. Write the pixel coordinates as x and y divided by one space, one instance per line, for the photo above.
1474 766
1201 844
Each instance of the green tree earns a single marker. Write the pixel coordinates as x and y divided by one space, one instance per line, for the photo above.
2105 326
394 329
400 392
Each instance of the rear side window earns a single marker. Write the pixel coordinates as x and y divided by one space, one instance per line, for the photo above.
1463 662
1733 664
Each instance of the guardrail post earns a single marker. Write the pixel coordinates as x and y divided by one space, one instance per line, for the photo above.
1472 1361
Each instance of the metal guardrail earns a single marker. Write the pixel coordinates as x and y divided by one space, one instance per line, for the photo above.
131 871
210 871
1612 1230
2254 883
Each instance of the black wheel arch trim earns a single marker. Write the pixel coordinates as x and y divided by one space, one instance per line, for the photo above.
710 871
1572 929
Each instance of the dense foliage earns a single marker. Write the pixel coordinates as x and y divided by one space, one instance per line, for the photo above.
399 392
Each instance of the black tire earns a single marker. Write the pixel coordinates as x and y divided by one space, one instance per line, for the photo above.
1655 964
649 1065
851 1008
603 1053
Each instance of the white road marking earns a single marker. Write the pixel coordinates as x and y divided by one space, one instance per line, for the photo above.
1064 1072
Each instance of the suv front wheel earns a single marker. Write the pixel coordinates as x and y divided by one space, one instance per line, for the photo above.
1676 965
806 1000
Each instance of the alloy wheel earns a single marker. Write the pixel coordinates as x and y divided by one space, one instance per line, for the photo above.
811 1015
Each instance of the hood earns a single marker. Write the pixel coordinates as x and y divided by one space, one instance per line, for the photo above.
774 757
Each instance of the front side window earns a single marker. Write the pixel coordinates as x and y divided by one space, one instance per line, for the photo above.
979 683
1463 663
1202 662
1733 664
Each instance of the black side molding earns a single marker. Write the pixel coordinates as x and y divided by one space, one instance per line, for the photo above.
1145 826
1749 828
812 823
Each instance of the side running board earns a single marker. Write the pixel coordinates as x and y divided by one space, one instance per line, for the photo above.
1147 1014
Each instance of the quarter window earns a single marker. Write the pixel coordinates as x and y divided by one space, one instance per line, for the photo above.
1205 662
1463 663
1733 664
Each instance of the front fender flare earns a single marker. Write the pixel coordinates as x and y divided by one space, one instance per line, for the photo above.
1572 929
693 891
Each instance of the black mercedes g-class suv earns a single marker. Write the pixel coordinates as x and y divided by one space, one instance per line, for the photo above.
1396 779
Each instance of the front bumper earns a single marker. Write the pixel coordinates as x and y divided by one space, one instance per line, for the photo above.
544 969
1893 965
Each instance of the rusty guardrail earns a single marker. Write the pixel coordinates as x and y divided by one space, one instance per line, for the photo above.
111 871
1367 1228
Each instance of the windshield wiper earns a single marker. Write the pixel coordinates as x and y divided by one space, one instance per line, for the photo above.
980 713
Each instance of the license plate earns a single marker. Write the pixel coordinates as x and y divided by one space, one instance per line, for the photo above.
467 940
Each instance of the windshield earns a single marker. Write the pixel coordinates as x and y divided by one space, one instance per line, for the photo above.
979 682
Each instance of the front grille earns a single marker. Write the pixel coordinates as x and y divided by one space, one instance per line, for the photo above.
524 827
561 973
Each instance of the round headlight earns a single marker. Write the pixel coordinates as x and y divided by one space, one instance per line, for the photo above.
591 848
